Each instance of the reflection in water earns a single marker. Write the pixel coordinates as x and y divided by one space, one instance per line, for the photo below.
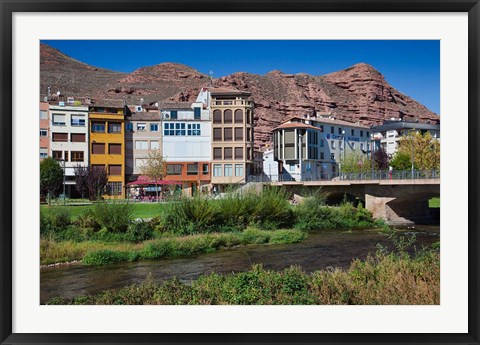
333 248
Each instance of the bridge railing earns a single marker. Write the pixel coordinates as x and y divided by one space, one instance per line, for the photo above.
376 175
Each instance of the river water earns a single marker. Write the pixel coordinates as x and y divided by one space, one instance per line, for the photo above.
322 249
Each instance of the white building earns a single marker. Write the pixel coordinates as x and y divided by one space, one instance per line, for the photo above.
69 139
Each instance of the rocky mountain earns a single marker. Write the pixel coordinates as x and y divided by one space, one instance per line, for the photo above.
357 94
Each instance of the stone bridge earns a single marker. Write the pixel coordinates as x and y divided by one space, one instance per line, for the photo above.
398 202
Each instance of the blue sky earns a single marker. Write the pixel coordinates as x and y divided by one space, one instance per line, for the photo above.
410 66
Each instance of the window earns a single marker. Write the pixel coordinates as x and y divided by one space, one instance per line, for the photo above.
332 156
169 129
65 154
129 127
217 170
217 134
77 121
361 133
114 188
98 148
249 134
141 145
239 134
204 169
352 132
154 145
249 153
227 134
141 127
217 153
238 116
333 144
140 162
227 153
115 149
57 155
227 116
368 134
238 152
180 129
174 114
59 119
78 137
197 111
217 116
322 155
192 169
43 152
154 127
332 130
322 144
60 137
43 115
114 127
98 127
43 132
321 127
98 167
238 169
193 129
228 170
174 169
77 156
114 169
339 130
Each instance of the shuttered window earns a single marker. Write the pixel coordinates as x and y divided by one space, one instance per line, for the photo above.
227 153
217 153
217 134
227 116
238 152
78 137
192 169
239 134
59 136
115 149
77 156
98 149
217 116
238 116
114 169
227 134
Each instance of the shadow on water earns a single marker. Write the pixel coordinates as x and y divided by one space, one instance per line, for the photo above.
322 249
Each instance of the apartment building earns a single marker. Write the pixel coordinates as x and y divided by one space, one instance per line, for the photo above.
44 130
107 145
68 139
186 144
310 148
142 133
390 133
232 146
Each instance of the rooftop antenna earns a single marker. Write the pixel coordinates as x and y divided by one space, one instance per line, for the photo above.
211 77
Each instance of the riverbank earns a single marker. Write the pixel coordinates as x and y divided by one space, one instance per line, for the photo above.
102 253
381 279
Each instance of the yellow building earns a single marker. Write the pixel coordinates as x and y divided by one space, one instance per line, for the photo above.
107 146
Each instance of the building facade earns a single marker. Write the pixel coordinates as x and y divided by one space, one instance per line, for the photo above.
311 148
232 147
44 130
391 132
107 146
69 138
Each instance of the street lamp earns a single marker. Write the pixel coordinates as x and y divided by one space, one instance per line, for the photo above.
63 171
371 155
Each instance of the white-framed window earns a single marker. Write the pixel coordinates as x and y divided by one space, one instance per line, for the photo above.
43 132
141 127
169 129
77 120
238 169
140 162
154 127
154 145
217 170
228 170
193 129
180 129
141 145
59 119
43 152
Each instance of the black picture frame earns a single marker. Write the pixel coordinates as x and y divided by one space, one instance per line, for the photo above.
8 7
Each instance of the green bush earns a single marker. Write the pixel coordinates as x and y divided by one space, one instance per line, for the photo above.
140 231
53 221
273 210
112 217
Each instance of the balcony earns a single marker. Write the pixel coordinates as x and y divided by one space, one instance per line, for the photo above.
232 102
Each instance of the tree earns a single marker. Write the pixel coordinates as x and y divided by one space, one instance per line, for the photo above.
424 148
91 181
51 177
380 159
155 167
401 161
354 162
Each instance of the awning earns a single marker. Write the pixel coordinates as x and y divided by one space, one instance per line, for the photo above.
145 181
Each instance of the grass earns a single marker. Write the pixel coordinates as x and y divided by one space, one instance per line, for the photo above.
434 202
101 253
381 279
140 210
